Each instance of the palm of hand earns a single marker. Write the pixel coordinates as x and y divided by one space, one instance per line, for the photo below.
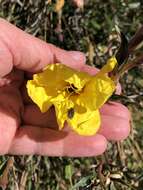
23 129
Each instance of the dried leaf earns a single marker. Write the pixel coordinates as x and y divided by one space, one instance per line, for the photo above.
23 180
116 176
91 53
4 176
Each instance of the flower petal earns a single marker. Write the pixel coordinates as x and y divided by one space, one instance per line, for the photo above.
85 122
110 65
79 109
39 95
61 109
56 76
95 93
53 76
79 79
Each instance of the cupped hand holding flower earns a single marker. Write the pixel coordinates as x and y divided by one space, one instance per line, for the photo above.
76 95
23 128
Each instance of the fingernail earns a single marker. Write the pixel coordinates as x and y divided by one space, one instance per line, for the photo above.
78 56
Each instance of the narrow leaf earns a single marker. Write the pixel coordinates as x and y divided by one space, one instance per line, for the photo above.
123 52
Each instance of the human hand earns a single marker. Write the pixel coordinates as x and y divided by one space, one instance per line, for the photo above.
23 128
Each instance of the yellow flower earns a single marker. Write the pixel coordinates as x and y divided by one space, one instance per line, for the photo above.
76 96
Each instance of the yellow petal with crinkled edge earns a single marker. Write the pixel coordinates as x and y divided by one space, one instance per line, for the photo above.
85 122
53 76
99 89
61 109
57 76
110 65
52 87
39 95
78 79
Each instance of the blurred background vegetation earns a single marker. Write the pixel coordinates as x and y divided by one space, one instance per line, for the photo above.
90 29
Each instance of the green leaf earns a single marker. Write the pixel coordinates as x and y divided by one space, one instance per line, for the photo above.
95 24
68 172
81 183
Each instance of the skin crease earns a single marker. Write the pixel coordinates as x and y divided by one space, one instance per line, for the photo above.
23 128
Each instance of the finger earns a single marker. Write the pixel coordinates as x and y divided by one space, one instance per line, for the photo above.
29 53
115 109
33 140
114 128
15 78
10 107
8 126
115 122
5 59
90 70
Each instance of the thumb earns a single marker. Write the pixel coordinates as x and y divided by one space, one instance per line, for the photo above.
31 54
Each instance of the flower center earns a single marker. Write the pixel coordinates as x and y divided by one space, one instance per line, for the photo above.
71 89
